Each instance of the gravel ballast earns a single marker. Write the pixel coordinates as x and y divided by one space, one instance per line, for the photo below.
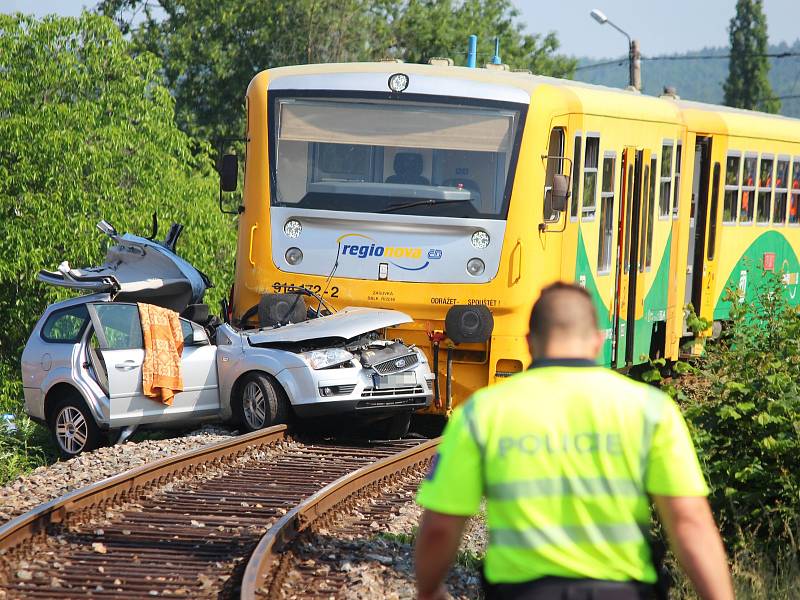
50 482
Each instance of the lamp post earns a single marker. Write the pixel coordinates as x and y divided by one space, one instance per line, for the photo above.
634 56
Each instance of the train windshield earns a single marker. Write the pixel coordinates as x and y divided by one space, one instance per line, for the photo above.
393 157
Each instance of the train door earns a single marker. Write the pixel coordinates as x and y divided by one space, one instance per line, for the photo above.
629 290
698 220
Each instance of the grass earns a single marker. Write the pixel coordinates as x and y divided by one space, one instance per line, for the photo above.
27 445
755 577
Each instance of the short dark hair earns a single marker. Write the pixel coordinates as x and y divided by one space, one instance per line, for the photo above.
563 309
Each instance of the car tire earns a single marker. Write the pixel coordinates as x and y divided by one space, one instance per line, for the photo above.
73 428
396 426
261 402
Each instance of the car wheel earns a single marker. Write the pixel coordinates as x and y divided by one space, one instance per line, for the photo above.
73 428
397 426
261 403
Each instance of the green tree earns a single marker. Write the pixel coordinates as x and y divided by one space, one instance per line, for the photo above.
211 49
87 132
748 85
423 29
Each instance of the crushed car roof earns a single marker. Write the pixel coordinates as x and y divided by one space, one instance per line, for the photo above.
137 269
345 324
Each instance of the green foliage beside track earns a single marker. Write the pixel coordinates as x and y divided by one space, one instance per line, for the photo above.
87 132
742 401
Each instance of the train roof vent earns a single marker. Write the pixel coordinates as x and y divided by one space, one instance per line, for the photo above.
389 59
441 61
494 67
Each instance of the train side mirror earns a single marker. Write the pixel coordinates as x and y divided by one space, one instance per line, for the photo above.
229 173
559 193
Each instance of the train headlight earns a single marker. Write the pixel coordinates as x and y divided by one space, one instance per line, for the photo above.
475 267
480 239
292 228
398 82
294 256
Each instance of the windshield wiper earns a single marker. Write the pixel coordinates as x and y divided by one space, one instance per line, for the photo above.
428 202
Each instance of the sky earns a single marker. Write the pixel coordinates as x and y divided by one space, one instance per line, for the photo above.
662 27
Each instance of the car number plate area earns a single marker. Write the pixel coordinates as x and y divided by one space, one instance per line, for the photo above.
394 380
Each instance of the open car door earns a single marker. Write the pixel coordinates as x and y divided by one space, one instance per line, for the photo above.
117 350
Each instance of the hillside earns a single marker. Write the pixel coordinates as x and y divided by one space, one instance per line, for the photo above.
699 79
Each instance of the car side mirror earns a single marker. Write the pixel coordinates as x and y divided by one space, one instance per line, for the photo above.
199 338
559 192
229 173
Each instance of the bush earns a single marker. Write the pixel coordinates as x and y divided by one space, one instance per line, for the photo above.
87 131
746 420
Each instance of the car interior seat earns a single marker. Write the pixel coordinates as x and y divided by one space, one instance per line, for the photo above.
408 169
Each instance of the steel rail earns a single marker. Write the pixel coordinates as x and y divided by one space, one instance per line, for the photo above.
38 519
266 556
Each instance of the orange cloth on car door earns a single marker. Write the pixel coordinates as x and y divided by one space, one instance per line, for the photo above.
163 345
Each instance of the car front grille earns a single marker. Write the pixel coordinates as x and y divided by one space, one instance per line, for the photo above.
398 391
397 364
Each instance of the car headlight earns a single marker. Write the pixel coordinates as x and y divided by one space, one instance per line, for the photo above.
322 359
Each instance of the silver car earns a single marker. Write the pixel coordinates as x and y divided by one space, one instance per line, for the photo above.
81 367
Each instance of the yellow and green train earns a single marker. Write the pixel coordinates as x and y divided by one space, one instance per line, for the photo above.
440 191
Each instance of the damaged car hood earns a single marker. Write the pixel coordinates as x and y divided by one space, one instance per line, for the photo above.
137 269
345 324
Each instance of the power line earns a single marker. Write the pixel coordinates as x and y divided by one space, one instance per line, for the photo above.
622 61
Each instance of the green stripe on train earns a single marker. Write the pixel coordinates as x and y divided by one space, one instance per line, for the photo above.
655 305
749 270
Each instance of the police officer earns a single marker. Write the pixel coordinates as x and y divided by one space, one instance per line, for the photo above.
568 456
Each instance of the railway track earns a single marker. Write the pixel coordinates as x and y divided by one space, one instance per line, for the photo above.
185 526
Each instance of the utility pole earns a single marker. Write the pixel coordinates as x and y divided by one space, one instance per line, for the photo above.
634 55
635 66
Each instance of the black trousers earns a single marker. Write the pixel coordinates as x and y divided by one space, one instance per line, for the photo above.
560 588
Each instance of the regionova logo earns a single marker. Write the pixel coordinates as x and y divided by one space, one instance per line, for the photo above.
363 246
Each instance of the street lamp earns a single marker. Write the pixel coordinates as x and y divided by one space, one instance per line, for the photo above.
634 56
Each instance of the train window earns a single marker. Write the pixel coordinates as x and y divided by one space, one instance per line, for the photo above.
651 200
794 201
590 164
781 190
764 207
730 203
606 215
628 211
553 166
576 178
664 195
713 216
375 156
748 189
676 182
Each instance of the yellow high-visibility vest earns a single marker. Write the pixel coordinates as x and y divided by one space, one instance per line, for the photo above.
565 454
